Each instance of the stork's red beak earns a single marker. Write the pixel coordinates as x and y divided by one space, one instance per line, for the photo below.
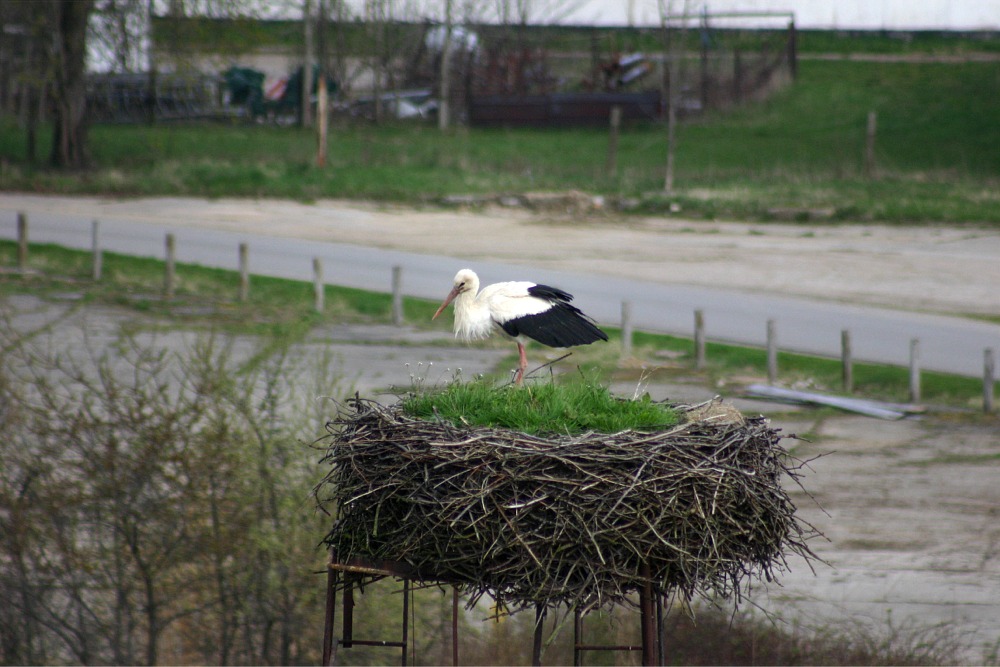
451 295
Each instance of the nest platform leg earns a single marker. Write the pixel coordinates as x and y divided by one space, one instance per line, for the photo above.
577 637
660 648
348 639
331 612
647 618
536 649
406 619
454 626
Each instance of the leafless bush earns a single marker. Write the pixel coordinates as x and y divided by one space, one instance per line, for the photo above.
153 503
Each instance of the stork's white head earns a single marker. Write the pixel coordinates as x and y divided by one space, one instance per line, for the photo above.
466 282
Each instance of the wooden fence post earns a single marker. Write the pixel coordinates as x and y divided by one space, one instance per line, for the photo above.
319 291
98 256
626 328
244 272
171 270
22 242
699 339
737 77
914 370
989 379
322 119
870 144
397 295
847 360
772 352
615 121
792 50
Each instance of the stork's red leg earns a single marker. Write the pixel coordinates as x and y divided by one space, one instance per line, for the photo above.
522 364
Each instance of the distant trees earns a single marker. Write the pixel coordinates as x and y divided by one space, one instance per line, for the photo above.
48 59
44 61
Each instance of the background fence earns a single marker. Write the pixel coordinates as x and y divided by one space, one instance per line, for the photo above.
699 334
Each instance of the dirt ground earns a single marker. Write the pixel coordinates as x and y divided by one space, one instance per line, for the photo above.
909 509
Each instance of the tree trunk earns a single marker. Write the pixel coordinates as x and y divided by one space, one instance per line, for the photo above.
69 141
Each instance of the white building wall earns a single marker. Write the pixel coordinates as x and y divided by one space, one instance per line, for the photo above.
809 14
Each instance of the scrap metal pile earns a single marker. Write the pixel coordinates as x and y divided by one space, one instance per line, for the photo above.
532 520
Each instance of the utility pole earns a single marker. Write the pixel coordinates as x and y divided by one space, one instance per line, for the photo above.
444 105
672 76
322 111
305 116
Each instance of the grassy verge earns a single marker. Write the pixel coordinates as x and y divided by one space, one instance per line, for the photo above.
731 366
800 151
203 295
284 309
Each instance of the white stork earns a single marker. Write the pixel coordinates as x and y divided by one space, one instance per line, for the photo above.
521 310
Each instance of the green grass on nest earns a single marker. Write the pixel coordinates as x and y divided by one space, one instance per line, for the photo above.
538 408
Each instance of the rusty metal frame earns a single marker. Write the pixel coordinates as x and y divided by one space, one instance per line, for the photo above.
357 570
344 576
651 624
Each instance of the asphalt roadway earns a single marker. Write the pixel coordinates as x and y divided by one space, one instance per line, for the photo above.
948 343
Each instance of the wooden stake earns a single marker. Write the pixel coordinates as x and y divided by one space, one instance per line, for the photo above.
870 145
915 370
847 360
989 379
699 339
397 295
318 289
244 273
772 352
171 273
22 242
615 121
98 257
626 328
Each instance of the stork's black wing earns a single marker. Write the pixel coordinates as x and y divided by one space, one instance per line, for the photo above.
561 325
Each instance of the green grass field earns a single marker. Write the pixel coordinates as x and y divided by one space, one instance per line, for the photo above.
800 150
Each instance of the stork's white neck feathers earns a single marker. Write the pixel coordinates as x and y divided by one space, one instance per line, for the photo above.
472 314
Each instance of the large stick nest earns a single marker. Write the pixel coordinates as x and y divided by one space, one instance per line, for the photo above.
534 520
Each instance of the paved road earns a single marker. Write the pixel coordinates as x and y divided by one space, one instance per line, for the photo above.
950 344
